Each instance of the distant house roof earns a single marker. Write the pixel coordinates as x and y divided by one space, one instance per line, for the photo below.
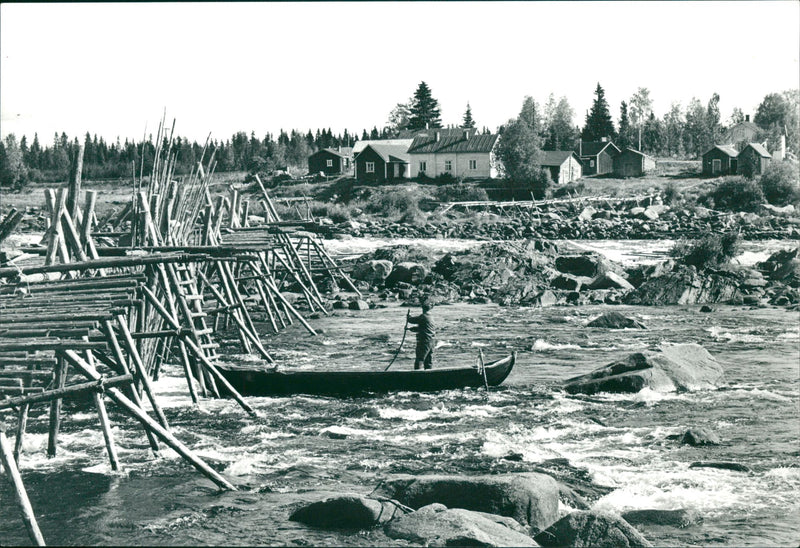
345 152
556 157
759 148
593 148
361 145
390 152
741 128
727 149
452 140
634 151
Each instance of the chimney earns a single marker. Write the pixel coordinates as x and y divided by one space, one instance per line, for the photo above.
746 117
438 135
427 125
603 139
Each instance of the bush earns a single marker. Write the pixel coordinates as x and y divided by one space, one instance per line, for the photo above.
670 193
569 190
460 193
711 250
446 179
337 213
780 184
397 203
736 194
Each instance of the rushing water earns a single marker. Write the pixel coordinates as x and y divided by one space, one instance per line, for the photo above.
306 448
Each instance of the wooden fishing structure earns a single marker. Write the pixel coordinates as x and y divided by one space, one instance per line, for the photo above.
116 298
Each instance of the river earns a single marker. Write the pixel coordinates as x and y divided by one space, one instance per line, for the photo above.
303 448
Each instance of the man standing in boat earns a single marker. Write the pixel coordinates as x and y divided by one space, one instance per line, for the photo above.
426 331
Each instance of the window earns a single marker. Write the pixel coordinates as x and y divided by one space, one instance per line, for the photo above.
473 164
329 163
591 163
370 167
423 166
448 165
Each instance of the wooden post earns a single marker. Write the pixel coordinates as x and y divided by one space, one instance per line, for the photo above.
55 409
75 183
22 424
10 466
150 424
108 436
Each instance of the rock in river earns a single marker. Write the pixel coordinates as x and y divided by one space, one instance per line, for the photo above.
699 436
347 512
615 320
529 498
679 367
671 518
436 525
591 530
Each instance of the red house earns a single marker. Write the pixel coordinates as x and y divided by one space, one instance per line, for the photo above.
597 157
378 163
330 161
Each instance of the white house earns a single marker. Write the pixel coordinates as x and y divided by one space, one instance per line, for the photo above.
462 153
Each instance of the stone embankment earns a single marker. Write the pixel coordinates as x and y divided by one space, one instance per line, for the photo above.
537 273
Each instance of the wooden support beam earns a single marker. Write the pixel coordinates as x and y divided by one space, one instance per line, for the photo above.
74 390
150 424
55 408
20 495
22 424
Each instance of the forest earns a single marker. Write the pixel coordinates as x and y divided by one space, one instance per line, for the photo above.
682 132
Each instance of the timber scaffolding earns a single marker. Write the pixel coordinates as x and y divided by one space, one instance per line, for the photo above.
118 297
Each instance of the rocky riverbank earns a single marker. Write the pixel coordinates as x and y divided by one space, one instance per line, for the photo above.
538 273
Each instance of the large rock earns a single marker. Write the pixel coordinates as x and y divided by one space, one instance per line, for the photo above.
672 518
615 320
580 265
610 280
436 525
407 272
591 530
679 367
374 271
347 512
697 437
684 285
529 498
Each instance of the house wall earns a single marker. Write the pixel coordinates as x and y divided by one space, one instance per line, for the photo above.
716 154
751 162
630 164
459 163
567 172
605 162
319 162
369 155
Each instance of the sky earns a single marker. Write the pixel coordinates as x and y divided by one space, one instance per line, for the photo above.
217 68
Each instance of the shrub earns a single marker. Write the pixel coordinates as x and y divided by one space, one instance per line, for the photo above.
710 250
446 179
569 190
396 203
736 194
460 193
780 184
337 213
670 193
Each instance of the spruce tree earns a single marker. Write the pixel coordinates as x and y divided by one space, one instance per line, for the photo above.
424 109
598 121
468 122
624 126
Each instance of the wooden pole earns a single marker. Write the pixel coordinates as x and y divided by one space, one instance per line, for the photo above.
10 466
108 436
55 409
150 424
22 424
75 183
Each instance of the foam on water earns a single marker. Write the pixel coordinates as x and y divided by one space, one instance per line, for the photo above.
541 345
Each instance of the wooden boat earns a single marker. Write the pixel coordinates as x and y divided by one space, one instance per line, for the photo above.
270 382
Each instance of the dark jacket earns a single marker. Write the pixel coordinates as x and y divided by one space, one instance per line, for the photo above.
424 328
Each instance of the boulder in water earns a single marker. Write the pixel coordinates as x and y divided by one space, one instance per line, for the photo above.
374 271
672 518
407 272
734 466
529 498
436 525
358 304
567 282
697 437
580 265
679 367
583 529
347 512
615 320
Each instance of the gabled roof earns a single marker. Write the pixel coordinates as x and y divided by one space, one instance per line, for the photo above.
556 157
741 126
727 149
452 140
634 151
759 148
342 154
361 145
593 148
390 153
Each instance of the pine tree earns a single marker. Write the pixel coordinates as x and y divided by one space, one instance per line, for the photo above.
623 140
598 121
468 122
424 109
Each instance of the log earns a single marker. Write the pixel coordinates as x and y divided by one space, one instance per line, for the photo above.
10 223
108 436
67 391
55 408
10 466
150 424
22 424
75 183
